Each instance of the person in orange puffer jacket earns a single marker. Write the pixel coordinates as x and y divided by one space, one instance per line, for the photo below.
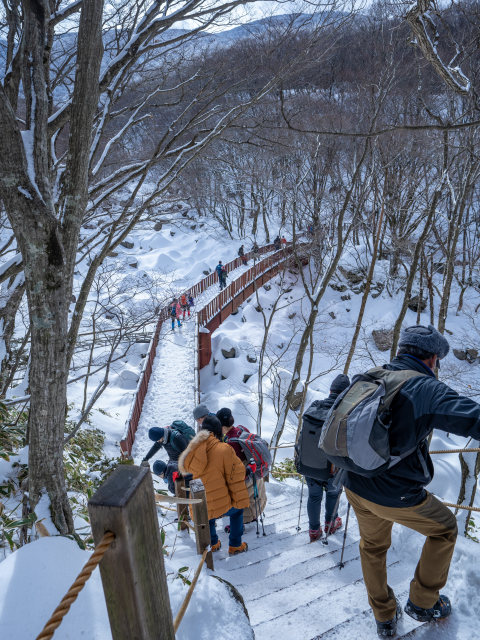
223 476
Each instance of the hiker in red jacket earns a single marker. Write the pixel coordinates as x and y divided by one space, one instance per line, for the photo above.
184 304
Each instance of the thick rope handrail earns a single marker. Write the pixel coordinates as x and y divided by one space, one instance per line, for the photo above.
477 449
455 451
72 594
183 608
460 506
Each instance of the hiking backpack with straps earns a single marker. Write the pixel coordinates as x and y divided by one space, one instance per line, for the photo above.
187 432
355 435
253 446
311 461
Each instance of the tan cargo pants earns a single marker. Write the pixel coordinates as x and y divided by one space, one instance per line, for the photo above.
430 518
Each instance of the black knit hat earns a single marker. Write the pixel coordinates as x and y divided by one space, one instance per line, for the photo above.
340 383
224 416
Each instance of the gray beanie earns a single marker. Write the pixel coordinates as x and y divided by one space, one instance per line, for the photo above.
200 411
340 383
426 338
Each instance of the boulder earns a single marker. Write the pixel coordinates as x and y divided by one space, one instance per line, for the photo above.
247 377
193 227
292 315
354 277
258 308
345 297
439 267
339 287
112 254
229 354
127 245
332 315
297 400
206 273
158 226
172 233
251 359
267 287
383 339
415 302
73 298
470 355
234 313
90 225
133 263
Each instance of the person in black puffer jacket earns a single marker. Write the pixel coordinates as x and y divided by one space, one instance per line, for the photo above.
170 439
316 487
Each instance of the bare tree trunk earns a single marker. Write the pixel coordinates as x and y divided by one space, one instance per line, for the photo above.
366 292
413 270
48 244
470 464
420 291
10 302
315 301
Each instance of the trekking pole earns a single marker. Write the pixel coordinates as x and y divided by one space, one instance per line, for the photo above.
255 494
341 565
257 498
327 533
300 511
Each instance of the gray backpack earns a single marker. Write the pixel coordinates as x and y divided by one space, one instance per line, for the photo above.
355 434
255 447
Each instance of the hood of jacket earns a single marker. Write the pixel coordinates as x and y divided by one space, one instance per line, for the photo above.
400 363
197 453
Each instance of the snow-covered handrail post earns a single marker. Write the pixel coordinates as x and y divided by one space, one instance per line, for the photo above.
134 579
200 518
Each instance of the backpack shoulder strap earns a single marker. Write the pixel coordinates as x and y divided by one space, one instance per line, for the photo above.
393 380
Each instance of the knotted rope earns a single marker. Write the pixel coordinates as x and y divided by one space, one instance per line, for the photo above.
72 594
183 608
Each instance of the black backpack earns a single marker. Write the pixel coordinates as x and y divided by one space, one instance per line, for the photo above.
311 461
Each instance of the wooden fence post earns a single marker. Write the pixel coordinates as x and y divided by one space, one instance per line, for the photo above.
182 509
132 569
200 517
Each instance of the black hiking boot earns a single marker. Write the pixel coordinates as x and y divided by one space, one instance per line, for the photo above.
389 628
440 610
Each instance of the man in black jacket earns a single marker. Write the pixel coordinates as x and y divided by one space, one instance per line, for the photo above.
398 495
324 480
170 439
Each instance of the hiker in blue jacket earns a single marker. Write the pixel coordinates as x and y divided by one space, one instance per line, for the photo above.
398 494
222 274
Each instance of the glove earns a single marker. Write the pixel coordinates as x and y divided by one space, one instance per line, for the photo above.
175 475
145 463
248 472
252 466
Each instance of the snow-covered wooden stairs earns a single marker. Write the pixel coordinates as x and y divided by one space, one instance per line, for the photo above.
294 589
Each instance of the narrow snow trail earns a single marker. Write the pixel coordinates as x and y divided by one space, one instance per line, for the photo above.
170 394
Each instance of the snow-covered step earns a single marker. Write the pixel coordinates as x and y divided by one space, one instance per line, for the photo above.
362 625
340 596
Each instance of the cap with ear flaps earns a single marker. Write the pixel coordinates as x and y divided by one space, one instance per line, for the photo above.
426 338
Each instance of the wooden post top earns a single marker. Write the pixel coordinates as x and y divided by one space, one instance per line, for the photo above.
120 486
